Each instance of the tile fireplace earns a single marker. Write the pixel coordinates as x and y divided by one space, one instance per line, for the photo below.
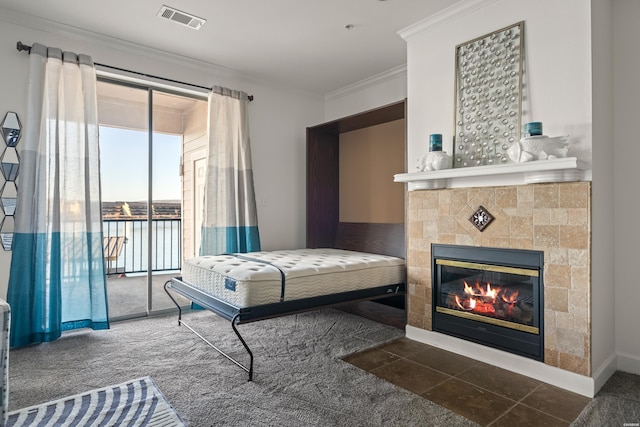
490 296
552 218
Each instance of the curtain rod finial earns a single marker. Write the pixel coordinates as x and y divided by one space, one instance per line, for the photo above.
21 46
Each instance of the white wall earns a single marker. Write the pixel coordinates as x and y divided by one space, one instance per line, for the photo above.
603 359
278 117
626 153
557 63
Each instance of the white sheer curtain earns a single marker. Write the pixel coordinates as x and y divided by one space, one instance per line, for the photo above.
230 219
57 279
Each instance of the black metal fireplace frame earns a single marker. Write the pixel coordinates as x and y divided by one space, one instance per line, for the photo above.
519 342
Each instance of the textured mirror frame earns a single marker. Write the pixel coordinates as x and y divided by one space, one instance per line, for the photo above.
488 91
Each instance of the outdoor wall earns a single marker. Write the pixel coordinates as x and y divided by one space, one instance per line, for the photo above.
194 160
278 116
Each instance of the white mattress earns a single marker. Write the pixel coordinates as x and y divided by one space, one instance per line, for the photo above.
308 272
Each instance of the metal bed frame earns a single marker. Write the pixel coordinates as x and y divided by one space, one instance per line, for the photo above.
240 315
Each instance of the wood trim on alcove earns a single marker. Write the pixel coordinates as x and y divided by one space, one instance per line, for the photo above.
324 228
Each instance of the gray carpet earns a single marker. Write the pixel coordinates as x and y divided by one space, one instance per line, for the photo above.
616 404
299 380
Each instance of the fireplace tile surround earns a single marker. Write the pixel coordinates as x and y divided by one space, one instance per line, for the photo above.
550 217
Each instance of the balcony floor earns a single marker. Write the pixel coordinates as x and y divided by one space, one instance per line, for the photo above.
127 295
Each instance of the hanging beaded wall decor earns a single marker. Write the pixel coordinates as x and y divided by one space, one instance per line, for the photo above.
488 97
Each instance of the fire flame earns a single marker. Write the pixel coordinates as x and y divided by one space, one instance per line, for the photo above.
511 299
482 299
466 304
479 292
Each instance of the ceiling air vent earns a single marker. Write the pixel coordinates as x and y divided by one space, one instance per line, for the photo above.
180 17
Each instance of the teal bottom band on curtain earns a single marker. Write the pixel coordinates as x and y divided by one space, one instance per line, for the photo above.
35 308
220 240
56 283
86 323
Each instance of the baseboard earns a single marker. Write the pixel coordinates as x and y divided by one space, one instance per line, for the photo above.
576 383
604 371
629 363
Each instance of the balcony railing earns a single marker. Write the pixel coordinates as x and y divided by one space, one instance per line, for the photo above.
127 249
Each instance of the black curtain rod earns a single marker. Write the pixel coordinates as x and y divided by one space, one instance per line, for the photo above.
23 47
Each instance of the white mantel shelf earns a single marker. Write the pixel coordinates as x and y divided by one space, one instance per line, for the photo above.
556 170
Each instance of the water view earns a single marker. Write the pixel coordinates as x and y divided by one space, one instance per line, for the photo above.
125 228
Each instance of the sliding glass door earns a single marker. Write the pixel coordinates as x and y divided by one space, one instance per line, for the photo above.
143 135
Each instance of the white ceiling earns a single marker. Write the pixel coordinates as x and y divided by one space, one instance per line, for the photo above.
303 43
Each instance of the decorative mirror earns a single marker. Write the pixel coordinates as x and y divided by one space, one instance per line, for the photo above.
11 129
9 164
6 232
8 198
488 90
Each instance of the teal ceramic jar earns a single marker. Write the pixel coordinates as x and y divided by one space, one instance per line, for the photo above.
435 142
533 129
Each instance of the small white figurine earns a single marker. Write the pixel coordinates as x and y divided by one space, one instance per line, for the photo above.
539 147
434 161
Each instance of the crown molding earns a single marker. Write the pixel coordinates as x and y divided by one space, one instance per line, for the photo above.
393 73
459 9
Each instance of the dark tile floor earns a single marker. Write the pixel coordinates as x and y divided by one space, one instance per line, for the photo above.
483 393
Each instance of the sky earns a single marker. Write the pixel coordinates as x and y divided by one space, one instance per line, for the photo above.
124 166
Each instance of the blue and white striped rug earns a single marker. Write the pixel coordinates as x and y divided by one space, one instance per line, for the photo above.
134 403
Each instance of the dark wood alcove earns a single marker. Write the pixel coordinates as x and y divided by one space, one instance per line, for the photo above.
324 228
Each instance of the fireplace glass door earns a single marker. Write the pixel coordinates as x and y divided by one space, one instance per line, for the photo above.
488 293
491 296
